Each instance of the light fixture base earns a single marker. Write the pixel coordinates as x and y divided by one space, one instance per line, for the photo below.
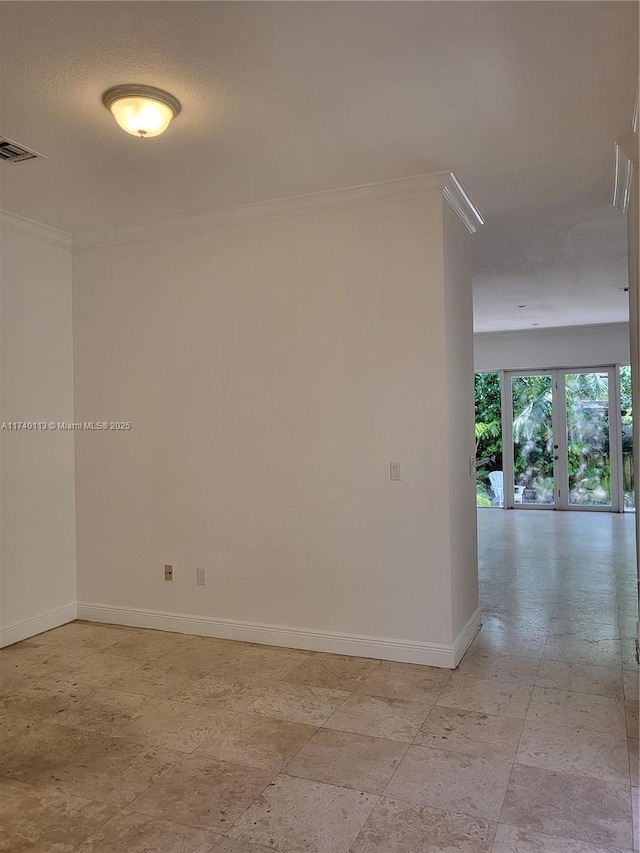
138 90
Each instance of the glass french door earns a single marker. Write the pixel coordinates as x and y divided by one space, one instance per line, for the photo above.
563 429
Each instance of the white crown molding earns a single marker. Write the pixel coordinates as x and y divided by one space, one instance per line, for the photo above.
26 628
405 651
466 210
445 183
35 230
552 330
623 169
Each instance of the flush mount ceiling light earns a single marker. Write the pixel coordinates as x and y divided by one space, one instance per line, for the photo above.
141 110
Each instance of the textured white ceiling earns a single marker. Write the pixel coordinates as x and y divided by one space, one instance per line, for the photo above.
523 100
561 251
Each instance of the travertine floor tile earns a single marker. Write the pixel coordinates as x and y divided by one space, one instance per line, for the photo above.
581 678
510 622
105 710
286 817
521 645
399 827
633 717
348 760
257 741
10 681
144 644
571 610
526 614
484 735
580 710
486 697
131 832
112 770
633 745
90 636
199 656
628 647
393 719
260 665
299 703
631 684
42 698
221 694
151 680
451 781
33 661
214 646
179 725
568 806
590 599
513 839
335 672
232 845
627 621
94 669
576 650
34 821
203 793
514 671
404 681
580 751
586 629
259 655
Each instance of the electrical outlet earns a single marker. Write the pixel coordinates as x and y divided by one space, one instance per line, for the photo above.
201 577
168 573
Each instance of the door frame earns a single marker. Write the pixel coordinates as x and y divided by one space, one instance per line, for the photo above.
559 428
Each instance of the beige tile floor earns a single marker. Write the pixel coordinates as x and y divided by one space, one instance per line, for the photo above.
127 740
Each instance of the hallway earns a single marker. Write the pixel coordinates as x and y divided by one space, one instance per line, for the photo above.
558 595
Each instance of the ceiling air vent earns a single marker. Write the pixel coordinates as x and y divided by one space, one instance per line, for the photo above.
13 152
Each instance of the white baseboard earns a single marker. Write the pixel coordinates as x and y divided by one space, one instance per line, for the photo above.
465 637
26 628
406 651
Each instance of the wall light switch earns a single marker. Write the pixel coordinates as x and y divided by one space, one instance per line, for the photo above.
395 472
168 573
472 465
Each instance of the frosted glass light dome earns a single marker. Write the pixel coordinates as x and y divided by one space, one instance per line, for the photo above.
141 110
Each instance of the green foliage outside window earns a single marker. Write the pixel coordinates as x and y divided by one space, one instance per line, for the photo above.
587 439
488 433
627 436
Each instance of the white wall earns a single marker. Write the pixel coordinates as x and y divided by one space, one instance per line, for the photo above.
633 250
38 570
271 371
577 346
463 535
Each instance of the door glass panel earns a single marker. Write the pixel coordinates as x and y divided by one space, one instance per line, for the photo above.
588 453
488 439
626 418
532 400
